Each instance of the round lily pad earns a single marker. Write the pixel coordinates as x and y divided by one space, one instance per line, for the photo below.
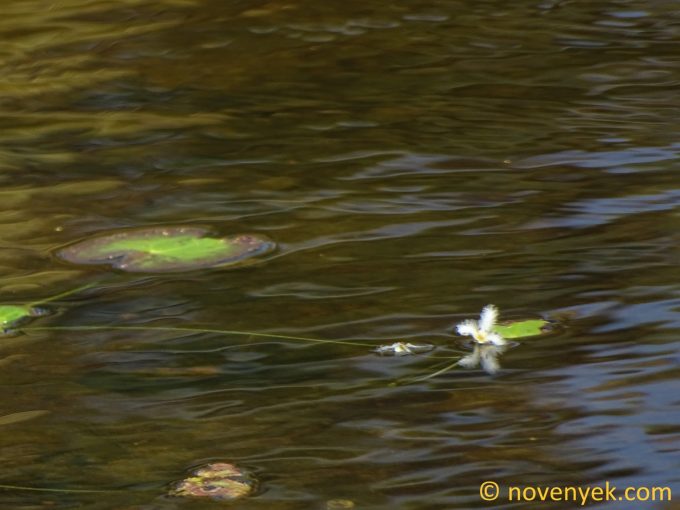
166 249
219 481
521 329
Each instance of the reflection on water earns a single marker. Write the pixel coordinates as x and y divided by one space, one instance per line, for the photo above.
415 161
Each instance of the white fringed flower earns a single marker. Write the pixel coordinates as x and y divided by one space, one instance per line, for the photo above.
482 331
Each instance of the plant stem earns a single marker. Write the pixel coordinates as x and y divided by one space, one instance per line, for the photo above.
192 330
62 295
435 374
63 491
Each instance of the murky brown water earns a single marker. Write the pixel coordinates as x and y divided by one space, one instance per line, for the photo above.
415 161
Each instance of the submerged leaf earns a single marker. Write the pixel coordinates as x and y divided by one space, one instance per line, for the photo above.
339 504
166 249
22 416
220 481
520 329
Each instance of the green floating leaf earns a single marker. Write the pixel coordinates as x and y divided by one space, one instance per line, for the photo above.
219 480
11 315
521 329
14 315
166 249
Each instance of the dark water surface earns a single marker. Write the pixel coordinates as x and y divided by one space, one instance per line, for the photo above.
415 161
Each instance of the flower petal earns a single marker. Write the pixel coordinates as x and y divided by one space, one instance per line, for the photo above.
489 360
495 339
487 320
471 360
468 328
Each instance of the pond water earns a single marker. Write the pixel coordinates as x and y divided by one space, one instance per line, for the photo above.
414 161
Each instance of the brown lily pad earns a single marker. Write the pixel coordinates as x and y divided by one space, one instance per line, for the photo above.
219 481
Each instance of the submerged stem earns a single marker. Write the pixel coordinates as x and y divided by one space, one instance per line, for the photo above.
61 295
63 491
435 374
192 330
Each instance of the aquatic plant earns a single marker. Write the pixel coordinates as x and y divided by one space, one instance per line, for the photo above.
13 315
482 331
490 338
219 480
166 249
224 481
173 249
523 328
